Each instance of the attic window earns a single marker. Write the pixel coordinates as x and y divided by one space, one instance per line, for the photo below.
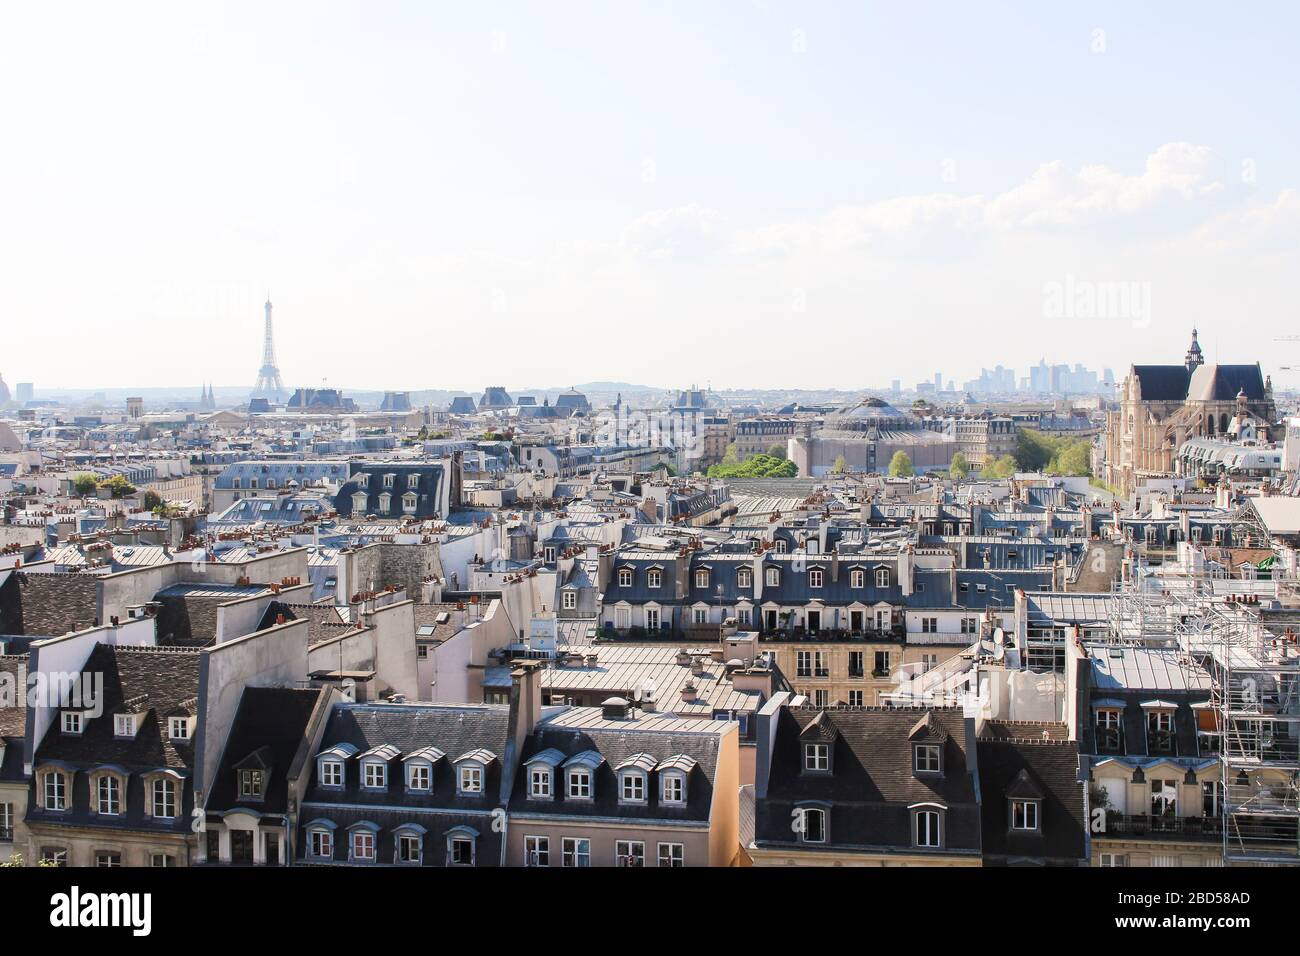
816 757
1024 815
250 784
124 725
580 784
178 728
674 788
570 599
653 578
882 578
624 578
928 758
73 722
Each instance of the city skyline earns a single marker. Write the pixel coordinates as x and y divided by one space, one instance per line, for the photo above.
855 190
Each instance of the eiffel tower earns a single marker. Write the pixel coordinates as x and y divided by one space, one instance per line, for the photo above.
269 385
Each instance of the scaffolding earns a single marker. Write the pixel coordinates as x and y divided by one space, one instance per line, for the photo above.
1251 724
1255 692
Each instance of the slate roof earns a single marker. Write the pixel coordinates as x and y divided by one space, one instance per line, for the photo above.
167 679
454 731
1163 383
13 720
1033 769
662 737
871 784
48 604
1221 383
272 720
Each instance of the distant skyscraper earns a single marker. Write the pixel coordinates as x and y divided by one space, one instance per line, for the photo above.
269 385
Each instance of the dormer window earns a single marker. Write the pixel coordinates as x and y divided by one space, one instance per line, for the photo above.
569 599
701 579
672 787
125 725
470 771
409 845
410 501
108 795
361 847
251 784
882 577
539 782
654 578
632 787
927 758
73 722
541 773
773 577
163 802
359 502
329 765
673 775
55 790
385 502
815 578
462 844
1160 729
744 578
413 480
331 773
320 840
857 578
1025 815
580 784
419 769
1109 727
178 728
388 480
471 780
624 577
816 757
375 776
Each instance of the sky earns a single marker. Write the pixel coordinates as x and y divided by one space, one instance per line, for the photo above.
737 194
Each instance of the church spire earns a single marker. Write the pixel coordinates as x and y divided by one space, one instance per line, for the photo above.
1193 359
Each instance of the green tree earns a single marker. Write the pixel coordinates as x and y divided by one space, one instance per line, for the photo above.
776 451
840 465
118 486
1003 467
731 456
900 466
760 466
85 484
152 500
959 467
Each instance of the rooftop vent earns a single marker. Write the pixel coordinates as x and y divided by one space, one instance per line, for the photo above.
614 708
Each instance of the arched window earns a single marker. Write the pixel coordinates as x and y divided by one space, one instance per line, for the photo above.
813 829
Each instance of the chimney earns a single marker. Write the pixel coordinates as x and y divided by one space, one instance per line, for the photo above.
688 691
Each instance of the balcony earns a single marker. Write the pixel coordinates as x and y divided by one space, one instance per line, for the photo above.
1162 827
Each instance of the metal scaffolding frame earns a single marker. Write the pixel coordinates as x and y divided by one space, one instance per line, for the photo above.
1253 716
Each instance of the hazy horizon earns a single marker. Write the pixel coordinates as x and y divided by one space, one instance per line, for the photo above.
748 195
